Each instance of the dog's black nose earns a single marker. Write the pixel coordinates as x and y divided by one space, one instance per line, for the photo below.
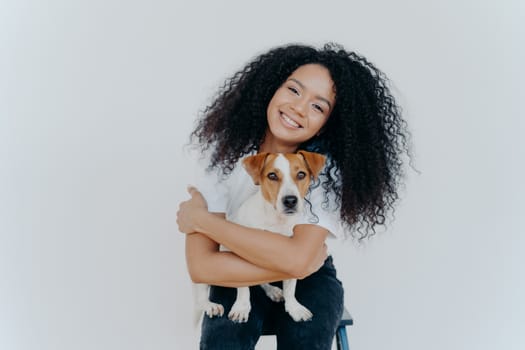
290 201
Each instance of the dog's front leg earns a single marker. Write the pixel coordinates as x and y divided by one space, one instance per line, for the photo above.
273 292
291 305
242 306
203 303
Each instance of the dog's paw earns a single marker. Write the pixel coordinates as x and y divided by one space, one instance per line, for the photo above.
240 311
213 309
273 292
297 311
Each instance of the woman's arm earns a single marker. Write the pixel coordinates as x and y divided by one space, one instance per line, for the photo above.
276 256
206 264
293 256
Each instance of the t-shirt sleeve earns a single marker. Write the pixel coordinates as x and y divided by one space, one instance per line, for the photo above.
322 212
214 191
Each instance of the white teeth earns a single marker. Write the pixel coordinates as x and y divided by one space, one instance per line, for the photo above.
290 121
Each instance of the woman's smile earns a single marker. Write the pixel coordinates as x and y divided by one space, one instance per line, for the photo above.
289 122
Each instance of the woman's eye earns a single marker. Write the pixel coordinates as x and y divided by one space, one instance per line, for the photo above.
301 175
294 90
273 176
319 108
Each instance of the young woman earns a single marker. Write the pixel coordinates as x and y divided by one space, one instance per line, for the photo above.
294 97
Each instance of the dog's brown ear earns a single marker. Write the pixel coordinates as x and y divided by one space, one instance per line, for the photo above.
254 165
314 162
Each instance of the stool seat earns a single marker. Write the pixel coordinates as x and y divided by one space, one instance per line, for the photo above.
346 319
341 336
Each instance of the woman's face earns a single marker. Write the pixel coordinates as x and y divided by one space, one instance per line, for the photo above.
300 107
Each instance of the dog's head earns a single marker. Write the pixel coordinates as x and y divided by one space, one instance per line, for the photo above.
284 178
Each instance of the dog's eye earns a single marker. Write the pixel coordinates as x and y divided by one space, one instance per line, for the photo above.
273 176
301 175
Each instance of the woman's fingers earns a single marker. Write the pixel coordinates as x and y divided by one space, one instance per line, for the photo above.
191 210
192 190
196 197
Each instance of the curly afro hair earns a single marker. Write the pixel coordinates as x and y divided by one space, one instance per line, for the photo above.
365 136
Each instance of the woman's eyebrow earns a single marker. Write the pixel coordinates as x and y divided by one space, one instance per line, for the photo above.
319 97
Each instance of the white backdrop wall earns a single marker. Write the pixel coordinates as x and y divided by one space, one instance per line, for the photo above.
98 99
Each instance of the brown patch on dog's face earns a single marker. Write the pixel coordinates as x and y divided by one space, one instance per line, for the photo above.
254 165
271 180
272 172
300 173
263 172
314 161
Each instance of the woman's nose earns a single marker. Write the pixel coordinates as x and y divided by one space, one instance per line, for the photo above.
300 106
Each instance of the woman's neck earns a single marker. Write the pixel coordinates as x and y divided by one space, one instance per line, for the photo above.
271 145
277 149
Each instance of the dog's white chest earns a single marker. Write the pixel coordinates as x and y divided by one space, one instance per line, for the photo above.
257 213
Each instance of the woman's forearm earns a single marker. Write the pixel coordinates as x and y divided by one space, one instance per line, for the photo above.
206 264
291 256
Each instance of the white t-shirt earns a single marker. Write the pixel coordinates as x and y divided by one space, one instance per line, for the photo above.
226 194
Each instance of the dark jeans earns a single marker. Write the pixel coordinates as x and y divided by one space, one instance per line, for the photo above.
320 292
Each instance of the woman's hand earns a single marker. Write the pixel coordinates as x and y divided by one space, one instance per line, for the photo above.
190 211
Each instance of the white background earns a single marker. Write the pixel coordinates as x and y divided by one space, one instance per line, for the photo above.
99 97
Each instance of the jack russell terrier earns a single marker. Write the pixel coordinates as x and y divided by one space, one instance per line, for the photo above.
277 206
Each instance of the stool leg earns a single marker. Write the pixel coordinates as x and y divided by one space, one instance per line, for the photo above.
342 339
